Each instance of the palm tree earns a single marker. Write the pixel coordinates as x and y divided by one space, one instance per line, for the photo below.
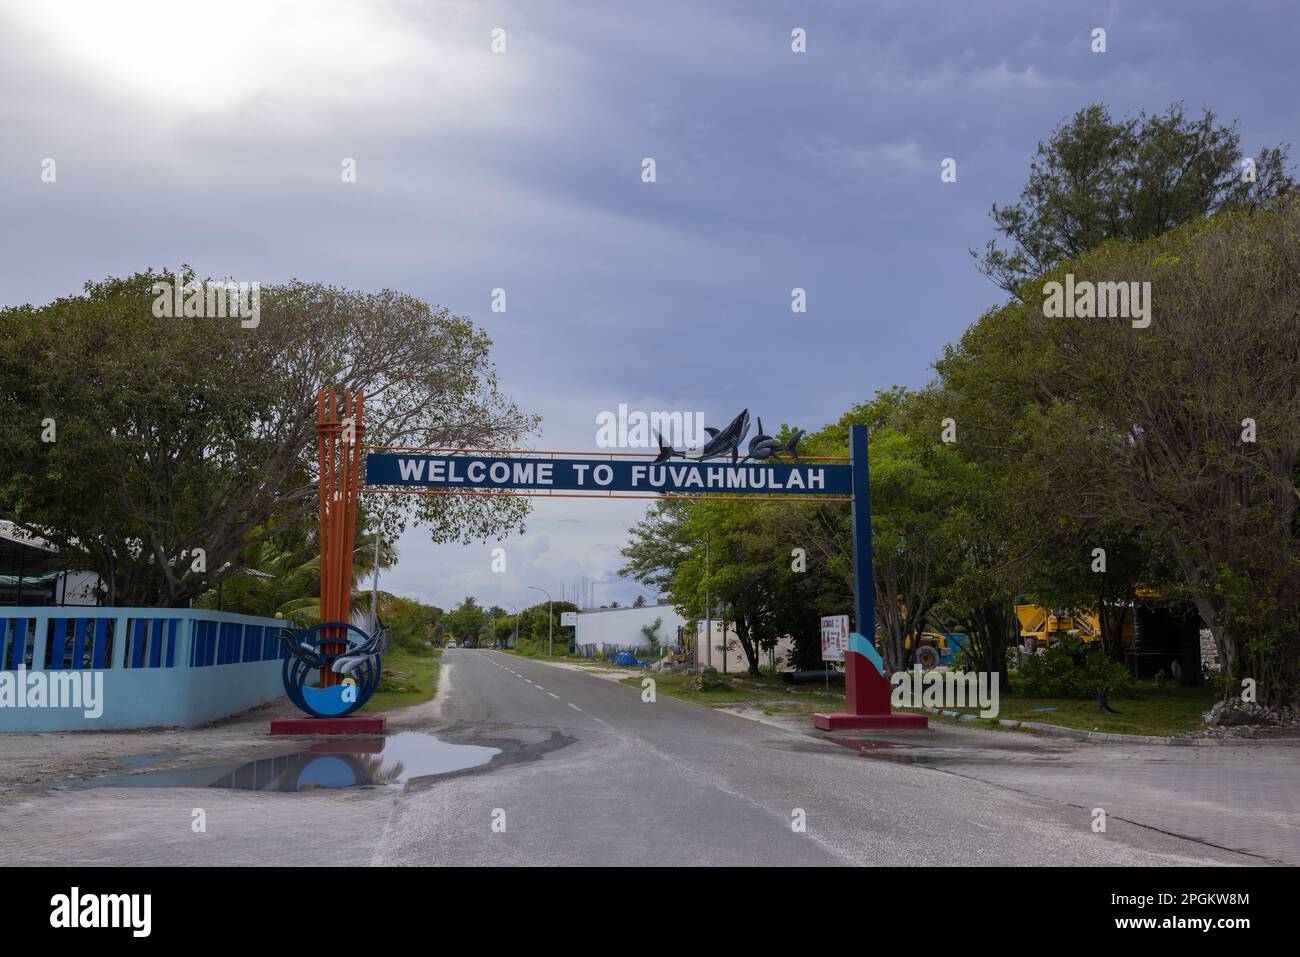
305 609
287 580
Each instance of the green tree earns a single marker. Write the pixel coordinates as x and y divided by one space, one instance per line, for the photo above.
411 623
914 484
1098 178
466 621
180 434
733 555
1185 433
651 635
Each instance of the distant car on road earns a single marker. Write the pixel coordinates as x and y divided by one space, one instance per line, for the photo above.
452 643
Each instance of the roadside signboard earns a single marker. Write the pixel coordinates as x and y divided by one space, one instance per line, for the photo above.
835 637
568 618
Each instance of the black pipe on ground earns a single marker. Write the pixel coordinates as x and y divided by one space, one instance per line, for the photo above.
808 677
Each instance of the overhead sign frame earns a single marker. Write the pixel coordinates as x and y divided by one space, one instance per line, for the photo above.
867 690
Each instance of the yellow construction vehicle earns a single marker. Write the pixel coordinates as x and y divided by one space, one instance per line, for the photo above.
1038 625
934 648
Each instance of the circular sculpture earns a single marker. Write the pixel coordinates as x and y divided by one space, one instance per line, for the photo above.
359 663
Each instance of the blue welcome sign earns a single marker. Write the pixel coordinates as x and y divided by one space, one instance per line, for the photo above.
578 475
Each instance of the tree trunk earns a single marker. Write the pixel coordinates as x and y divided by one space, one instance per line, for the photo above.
988 634
747 645
1226 642
1111 617
1189 628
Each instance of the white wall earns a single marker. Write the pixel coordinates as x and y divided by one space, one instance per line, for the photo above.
77 588
736 663
621 627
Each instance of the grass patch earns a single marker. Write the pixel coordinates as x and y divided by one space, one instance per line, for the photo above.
767 693
410 677
532 649
1166 710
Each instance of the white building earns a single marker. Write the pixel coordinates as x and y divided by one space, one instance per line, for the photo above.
734 661
622 627
32 572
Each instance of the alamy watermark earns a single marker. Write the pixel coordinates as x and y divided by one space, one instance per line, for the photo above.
637 429
209 300
75 909
53 689
919 688
1098 300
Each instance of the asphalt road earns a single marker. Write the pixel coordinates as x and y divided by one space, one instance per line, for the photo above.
612 779
589 773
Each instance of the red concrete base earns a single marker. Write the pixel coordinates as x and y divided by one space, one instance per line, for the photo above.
352 724
846 722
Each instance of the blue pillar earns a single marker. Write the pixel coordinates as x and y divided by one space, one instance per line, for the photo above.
864 601
866 687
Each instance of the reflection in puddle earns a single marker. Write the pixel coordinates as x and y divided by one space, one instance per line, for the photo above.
327 764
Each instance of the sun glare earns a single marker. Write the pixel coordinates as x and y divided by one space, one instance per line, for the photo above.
204 55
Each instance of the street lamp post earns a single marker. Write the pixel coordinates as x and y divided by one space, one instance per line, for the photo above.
708 601
550 641
374 587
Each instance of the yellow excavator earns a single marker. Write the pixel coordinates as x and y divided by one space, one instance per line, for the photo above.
1038 625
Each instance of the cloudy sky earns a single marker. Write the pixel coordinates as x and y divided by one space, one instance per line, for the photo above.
213 132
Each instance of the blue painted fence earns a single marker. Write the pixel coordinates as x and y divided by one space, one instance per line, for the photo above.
160 666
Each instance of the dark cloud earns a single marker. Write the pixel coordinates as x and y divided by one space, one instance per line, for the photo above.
522 171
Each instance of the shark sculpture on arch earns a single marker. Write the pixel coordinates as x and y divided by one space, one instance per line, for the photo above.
726 441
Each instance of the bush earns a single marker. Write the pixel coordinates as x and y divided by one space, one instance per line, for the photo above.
707 680
1072 669
403 633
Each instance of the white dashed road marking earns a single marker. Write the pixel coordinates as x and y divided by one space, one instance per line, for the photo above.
537 686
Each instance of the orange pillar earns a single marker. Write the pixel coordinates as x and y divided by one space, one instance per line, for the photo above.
338 432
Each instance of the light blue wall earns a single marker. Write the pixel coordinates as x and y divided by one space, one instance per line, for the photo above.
140 688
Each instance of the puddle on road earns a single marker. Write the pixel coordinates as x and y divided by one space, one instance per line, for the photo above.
356 762
885 751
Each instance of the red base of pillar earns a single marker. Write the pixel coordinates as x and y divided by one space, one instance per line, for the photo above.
845 722
352 724
867 700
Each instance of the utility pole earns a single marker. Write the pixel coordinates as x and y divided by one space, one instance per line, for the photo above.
708 611
374 590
